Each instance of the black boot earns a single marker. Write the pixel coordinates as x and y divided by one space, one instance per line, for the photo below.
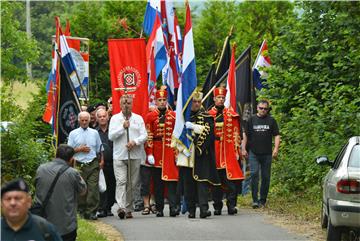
173 212
217 212
205 214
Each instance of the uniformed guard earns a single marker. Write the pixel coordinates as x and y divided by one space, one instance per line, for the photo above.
160 125
227 149
197 168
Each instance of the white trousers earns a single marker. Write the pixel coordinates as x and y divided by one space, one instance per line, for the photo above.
125 188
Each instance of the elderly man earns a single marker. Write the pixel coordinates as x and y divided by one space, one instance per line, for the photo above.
197 165
107 199
16 222
87 145
128 133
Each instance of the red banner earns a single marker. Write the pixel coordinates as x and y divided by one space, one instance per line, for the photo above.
128 73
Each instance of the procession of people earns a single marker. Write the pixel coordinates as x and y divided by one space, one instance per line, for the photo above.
142 152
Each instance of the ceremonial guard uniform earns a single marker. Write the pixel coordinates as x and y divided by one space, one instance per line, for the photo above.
227 149
197 166
160 125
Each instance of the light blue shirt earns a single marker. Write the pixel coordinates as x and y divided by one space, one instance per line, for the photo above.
89 137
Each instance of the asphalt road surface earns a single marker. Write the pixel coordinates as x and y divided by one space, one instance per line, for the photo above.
246 225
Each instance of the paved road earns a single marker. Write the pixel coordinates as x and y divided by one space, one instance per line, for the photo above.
246 225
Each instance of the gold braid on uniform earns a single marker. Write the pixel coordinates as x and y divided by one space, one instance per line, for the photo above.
150 138
202 137
237 139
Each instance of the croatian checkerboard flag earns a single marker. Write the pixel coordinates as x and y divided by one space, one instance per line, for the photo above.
152 8
187 85
262 61
51 105
156 44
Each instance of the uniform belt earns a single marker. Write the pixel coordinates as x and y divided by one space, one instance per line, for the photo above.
157 139
218 138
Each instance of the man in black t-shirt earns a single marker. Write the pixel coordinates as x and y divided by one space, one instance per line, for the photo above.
257 136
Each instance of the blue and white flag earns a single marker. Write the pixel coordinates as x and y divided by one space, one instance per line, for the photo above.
187 85
152 7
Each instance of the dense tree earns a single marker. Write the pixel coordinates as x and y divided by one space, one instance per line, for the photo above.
252 22
16 47
314 86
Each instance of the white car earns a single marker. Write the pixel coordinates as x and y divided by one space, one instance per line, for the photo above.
341 193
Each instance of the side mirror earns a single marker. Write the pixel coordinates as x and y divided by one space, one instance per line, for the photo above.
323 160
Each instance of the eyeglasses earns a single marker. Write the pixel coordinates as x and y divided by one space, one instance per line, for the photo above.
263 108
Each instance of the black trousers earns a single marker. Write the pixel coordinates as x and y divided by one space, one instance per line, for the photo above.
194 191
107 198
70 236
159 186
230 191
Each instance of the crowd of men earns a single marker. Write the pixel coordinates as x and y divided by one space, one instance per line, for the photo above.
144 165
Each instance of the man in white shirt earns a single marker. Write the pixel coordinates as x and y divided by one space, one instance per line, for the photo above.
87 145
128 133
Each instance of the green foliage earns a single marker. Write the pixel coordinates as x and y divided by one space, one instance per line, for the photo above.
252 22
43 15
16 47
26 144
101 25
314 86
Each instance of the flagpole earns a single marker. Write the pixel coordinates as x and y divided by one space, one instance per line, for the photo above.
258 55
70 82
223 76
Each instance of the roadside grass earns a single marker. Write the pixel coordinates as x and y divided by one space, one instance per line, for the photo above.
87 231
23 93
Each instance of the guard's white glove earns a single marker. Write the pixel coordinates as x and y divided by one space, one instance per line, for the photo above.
186 152
151 159
196 128
189 125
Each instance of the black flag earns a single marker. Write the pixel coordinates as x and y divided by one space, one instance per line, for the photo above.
214 75
245 94
68 108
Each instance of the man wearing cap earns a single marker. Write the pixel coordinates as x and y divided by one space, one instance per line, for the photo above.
197 168
160 125
227 150
87 145
128 133
17 223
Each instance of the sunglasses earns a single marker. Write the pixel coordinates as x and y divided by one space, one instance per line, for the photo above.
263 108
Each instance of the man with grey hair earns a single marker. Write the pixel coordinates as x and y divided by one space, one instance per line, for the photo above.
128 133
87 145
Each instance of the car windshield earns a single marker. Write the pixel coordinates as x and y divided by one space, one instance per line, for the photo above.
354 160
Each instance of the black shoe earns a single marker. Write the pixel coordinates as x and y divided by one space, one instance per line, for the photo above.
138 208
205 214
102 214
173 212
255 205
232 211
109 213
121 214
159 214
217 212
191 215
